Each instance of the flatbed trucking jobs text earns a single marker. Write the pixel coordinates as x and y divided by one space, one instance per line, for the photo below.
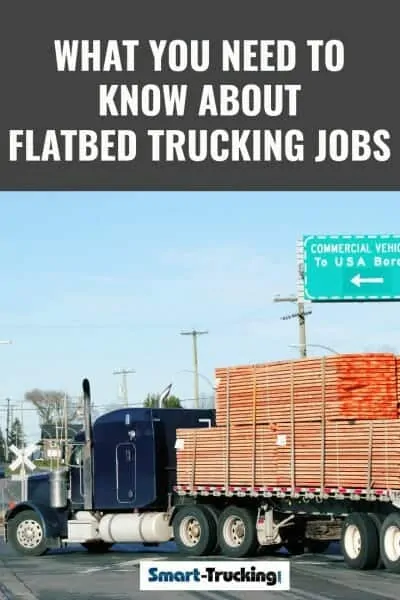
195 145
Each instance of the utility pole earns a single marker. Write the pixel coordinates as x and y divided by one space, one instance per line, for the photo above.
8 425
8 417
65 410
22 472
299 300
301 316
194 333
124 373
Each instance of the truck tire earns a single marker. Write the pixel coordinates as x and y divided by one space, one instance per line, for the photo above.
195 530
215 512
237 534
26 534
378 519
390 542
360 542
97 547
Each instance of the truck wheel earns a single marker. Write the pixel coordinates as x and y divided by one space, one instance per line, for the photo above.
360 542
195 531
26 534
317 546
378 519
97 547
237 534
390 542
215 512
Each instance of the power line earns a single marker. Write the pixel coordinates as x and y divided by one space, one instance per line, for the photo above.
98 407
238 320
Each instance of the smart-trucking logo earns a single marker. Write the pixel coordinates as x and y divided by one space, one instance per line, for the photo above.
221 575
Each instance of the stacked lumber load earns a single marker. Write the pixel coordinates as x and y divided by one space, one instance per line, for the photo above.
362 455
398 381
330 422
360 386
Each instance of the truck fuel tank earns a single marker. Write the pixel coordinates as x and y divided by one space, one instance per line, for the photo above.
59 488
135 528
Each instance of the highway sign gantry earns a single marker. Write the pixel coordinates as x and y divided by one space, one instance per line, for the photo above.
351 268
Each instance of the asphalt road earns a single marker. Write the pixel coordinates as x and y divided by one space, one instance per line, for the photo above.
76 575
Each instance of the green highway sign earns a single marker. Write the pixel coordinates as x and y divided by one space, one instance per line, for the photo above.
351 268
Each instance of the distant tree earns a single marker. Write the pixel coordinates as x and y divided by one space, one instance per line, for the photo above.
50 405
17 436
153 400
2 448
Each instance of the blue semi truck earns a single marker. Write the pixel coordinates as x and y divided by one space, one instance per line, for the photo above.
120 487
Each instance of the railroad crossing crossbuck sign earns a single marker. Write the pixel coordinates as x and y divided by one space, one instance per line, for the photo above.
23 455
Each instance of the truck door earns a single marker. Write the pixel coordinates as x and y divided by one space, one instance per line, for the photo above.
76 474
125 472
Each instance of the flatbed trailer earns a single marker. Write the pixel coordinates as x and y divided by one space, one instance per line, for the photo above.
366 522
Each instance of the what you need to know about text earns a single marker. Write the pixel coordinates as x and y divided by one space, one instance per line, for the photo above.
201 102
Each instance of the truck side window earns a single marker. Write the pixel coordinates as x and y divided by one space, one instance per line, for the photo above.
76 456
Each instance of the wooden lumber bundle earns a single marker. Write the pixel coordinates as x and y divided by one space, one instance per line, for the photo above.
303 454
201 457
331 422
398 383
343 387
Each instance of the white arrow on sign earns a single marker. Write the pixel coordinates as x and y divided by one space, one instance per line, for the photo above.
22 455
358 280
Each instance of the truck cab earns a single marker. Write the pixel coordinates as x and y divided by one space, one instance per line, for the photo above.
134 457
118 485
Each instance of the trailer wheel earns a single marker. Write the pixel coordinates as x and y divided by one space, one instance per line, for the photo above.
378 519
195 530
390 542
237 534
97 547
26 534
360 542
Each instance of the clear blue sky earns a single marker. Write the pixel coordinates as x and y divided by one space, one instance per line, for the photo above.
95 282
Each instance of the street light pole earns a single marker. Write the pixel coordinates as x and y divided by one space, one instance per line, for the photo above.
206 379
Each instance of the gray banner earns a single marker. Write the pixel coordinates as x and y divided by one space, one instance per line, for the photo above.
66 130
